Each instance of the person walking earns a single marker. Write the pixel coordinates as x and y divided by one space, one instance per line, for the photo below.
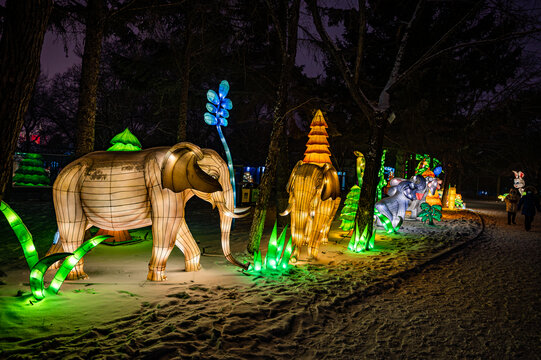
529 203
511 204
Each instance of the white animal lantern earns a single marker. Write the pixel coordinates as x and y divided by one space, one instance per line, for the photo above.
518 182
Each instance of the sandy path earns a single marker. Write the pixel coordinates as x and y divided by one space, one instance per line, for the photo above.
483 302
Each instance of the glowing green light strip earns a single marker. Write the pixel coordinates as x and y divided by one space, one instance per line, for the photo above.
284 263
270 257
22 233
38 272
386 222
72 260
229 164
361 243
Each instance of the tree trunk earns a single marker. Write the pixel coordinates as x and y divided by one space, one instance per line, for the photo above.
24 26
282 176
400 164
411 166
367 199
184 86
268 179
90 71
183 107
288 38
449 180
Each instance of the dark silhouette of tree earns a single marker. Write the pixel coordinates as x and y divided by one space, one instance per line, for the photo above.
23 29
95 17
286 27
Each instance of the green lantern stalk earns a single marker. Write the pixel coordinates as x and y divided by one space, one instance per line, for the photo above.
38 267
381 174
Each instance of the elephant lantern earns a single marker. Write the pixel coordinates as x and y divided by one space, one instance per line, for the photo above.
127 190
400 194
314 191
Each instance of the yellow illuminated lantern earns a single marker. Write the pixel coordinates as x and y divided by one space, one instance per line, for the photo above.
451 197
314 191
118 190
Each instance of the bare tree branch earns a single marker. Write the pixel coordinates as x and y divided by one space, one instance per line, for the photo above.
357 94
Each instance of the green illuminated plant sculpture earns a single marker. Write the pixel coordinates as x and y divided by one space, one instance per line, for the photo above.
125 141
360 242
349 211
38 267
430 213
31 172
277 257
350 208
382 182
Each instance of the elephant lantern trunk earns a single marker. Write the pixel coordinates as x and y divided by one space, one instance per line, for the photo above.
116 190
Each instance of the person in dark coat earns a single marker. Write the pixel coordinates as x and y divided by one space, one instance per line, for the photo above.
529 203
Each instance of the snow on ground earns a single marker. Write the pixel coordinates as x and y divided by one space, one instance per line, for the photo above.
342 306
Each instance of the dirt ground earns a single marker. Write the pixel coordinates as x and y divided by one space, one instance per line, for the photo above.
480 302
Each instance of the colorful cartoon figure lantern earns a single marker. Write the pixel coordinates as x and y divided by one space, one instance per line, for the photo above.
127 190
400 194
314 191
430 195
518 182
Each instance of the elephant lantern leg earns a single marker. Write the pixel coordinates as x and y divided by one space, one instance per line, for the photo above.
164 232
186 243
76 230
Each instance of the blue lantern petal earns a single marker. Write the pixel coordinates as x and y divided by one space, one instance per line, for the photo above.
223 113
210 119
437 170
223 89
211 108
213 97
223 122
227 104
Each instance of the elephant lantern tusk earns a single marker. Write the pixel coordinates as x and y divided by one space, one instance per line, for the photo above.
221 206
241 210
287 210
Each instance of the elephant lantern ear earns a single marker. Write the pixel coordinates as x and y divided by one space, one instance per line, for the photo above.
289 185
180 171
331 185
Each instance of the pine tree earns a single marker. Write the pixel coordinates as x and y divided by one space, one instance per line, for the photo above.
31 172
350 208
352 199
317 147
125 141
